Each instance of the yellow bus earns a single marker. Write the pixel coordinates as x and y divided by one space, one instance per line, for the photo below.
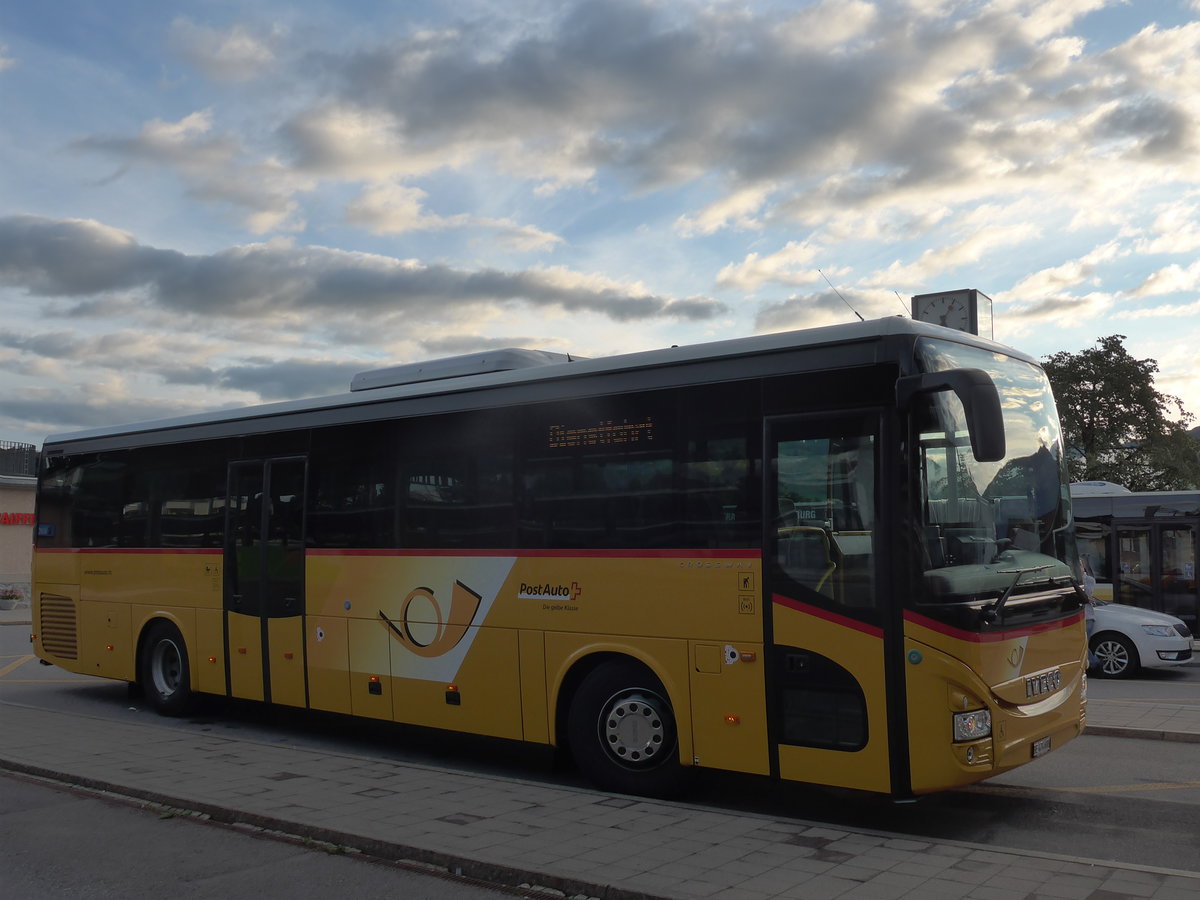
840 556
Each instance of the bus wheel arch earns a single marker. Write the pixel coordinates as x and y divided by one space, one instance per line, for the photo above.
621 727
164 668
1116 654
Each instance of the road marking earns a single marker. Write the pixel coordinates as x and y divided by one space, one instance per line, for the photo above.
1127 788
1167 700
16 665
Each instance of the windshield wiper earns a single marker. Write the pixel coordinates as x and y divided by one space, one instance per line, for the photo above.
993 612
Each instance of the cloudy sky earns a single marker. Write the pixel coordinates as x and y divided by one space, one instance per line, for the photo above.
212 204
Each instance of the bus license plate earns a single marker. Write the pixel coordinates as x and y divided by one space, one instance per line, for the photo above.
1041 748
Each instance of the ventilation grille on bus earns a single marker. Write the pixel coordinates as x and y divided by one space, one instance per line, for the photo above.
57 627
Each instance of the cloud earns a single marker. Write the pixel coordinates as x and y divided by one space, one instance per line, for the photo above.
214 167
1057 279
397 208
1169 280
233 55
184 144
1187 311
1063 309
823 308
834 111
76 258
290 378
793 264
1150 126
6 61
937 260
64 409
1175 229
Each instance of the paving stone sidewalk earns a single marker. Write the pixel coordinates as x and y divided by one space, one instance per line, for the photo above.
511 831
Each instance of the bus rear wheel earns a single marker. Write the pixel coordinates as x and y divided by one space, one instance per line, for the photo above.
621 730
164 671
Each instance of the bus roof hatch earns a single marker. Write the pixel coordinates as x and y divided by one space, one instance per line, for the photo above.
456 367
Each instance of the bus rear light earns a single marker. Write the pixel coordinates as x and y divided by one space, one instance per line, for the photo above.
212 659
108 647
973 725
733 719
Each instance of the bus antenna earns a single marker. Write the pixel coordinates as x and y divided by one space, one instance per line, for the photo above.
900 300
839 293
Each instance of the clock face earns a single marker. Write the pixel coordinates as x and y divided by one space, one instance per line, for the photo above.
949 310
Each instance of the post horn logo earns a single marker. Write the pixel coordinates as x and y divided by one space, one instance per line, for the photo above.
447 630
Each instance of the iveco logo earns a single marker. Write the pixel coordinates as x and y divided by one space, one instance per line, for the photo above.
1046 683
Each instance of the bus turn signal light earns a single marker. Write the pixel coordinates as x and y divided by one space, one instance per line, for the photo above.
733 719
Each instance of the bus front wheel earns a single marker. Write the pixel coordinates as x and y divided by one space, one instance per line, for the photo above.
621 730
165 676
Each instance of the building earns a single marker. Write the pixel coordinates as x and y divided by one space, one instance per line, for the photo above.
18 487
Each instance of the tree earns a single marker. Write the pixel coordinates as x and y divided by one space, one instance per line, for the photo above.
1116 426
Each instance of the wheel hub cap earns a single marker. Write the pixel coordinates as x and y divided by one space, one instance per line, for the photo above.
633 730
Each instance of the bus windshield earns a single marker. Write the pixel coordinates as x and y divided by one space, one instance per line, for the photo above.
993 532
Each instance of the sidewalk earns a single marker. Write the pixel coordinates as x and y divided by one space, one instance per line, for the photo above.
516 832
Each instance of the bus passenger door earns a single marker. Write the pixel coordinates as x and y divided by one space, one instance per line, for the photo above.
827 692
264 581
1156 569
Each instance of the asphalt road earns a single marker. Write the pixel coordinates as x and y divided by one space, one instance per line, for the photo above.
1124 799
63 843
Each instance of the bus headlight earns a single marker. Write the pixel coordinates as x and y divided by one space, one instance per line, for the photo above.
973 725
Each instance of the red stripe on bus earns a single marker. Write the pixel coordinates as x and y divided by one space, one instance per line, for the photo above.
203 551
536 554
990 637
844 621
545 554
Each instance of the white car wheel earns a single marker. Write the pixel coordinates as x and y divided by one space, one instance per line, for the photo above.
1117 657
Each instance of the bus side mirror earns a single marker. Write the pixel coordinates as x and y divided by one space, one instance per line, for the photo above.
979 397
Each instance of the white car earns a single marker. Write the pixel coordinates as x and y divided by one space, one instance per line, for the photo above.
1126 638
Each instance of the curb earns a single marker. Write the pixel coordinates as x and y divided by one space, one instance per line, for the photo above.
418 859
1149 734
524 881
